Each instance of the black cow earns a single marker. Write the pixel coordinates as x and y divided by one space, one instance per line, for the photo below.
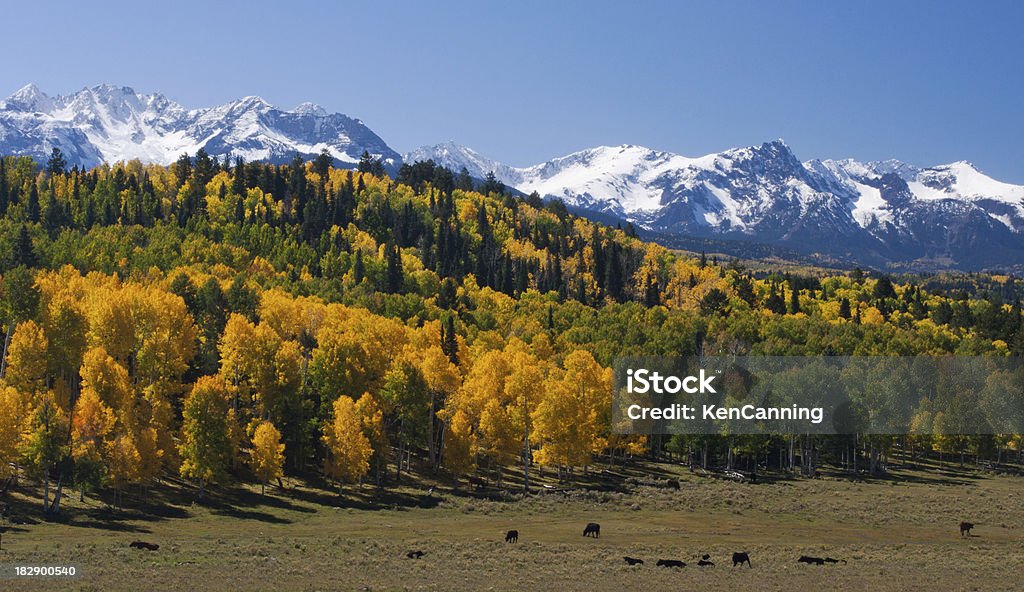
830 560
673 484
740 559
634 561
415 554
965 528
670 563
705 563
811 560
512 536
592 529
144 545
477 482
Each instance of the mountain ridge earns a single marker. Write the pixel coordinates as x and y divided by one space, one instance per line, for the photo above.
108 123
881 213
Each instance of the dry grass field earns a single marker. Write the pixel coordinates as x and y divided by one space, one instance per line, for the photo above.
895 534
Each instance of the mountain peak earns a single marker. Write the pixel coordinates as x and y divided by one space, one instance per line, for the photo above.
111 123
251 102
310 109
29 98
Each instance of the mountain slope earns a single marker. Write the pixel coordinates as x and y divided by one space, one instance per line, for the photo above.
879 213
110 123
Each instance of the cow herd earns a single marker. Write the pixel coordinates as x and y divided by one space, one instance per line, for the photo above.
593 529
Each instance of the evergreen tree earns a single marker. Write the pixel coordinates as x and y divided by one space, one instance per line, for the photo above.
449 340
322 165
238 186
32 207
844 308
464 182
24 253
57 163
358 268
4 193
393 275
492 185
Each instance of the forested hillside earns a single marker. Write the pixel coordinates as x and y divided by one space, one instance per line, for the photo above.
226 321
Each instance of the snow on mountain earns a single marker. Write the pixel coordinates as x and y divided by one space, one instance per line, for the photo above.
111 123
881 211
886 211
457 157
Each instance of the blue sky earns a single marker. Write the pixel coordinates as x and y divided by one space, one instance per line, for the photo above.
927 82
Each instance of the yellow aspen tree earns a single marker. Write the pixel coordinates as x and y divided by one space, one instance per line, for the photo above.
458 452
524 389
12 420
45 441
65 326
151 455
123 464
267 456
93 421
443 379
205 447
103 375
165 338
372 419
349 449
26 359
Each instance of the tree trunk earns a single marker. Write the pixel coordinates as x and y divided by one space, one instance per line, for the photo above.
7 342
55 507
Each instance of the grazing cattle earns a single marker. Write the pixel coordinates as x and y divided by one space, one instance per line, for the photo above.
740 559
673 484
512 536
592 529
143 545
634 561
965 528
705 563
415 554
830 560
811 560
477 482
670 563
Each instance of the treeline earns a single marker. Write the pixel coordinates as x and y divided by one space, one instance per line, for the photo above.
225 320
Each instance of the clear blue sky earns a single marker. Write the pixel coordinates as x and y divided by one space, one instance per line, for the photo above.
523 81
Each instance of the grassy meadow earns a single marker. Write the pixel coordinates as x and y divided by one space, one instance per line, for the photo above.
895 534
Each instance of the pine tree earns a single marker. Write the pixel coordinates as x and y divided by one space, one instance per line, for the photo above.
393 275
57 163
5 198
464 182
358 268
238 186
32 207
24 253
449 340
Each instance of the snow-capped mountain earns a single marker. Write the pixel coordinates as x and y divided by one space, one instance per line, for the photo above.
878 213
112 123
